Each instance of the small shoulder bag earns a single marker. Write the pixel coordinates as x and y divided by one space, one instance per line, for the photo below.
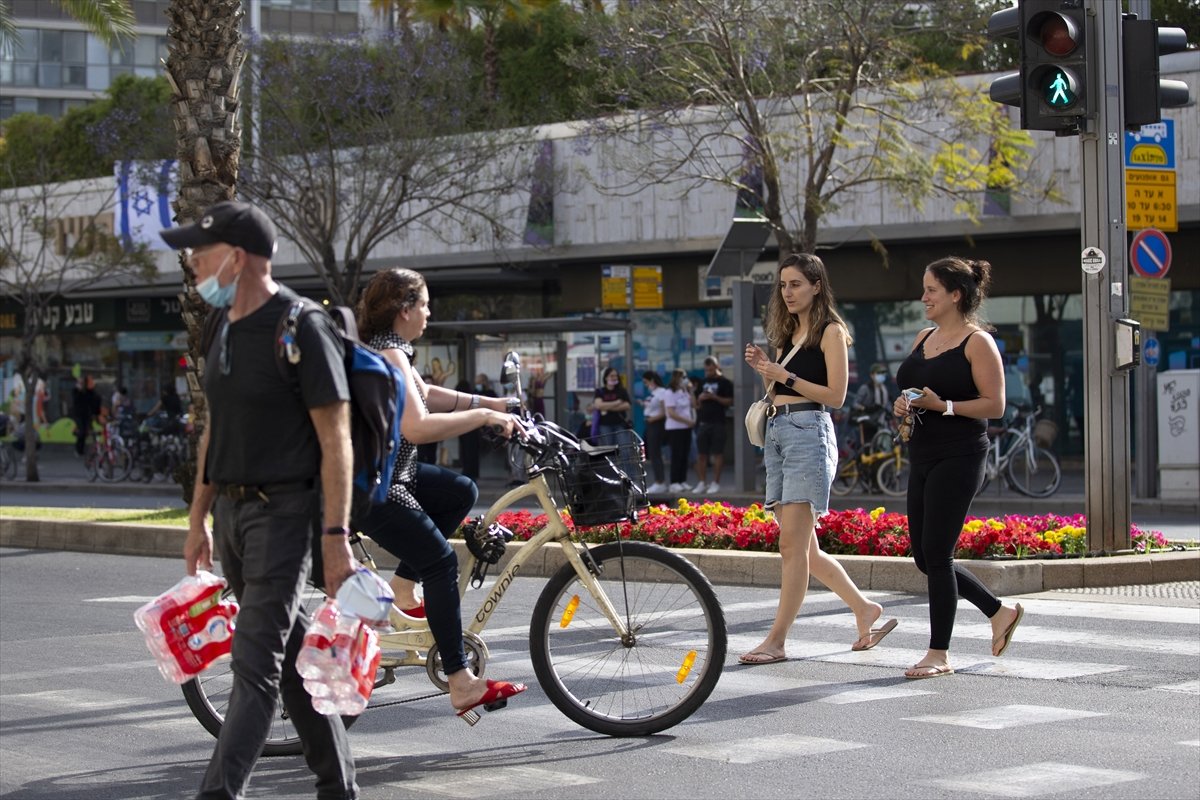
760 410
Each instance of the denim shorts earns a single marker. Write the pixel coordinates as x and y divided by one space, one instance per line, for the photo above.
801 459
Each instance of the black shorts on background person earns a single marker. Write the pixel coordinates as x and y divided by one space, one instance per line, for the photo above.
714 394
274 460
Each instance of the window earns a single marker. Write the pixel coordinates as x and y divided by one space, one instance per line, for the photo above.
52 47
74 47
74 77
50 106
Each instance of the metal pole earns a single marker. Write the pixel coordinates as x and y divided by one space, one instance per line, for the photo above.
1105 293
1146 427
746 385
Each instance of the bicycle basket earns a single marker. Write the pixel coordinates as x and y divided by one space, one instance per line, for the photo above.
607 483
1044 433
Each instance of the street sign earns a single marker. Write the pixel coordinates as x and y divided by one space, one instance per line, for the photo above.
1150 253
1150 352
1151 147
1150 302
1150 199
1093 260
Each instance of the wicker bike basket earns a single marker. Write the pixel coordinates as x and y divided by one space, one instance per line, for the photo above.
605 483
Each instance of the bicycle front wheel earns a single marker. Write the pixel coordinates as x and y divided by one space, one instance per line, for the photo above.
1034 472
892 476
661 672
114 464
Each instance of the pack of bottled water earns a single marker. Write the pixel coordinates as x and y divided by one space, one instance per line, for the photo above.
338 661
189 626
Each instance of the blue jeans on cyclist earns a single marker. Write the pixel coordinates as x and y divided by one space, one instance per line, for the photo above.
417 536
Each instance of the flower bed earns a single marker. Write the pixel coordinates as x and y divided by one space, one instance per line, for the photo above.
720 526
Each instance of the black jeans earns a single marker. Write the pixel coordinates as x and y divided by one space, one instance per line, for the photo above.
417 536
656 434
680 441
939 496
265 550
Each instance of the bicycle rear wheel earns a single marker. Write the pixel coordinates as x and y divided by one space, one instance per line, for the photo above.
846 479
207 696
892 476
1034 472
114 464
660 673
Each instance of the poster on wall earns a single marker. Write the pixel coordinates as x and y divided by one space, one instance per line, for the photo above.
437 364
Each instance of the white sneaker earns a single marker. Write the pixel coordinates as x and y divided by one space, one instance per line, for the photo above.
656 488
714 487
701 488
678 488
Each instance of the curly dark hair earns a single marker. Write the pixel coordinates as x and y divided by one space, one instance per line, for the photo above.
389 292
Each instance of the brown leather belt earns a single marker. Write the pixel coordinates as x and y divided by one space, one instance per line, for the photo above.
792 408
241 492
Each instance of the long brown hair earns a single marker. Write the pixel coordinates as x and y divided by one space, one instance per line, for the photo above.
781 325
389 292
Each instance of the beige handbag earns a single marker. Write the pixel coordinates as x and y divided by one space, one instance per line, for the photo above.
760 411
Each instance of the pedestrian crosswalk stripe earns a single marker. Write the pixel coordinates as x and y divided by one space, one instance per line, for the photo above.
763 748
1118 612
1187 687
1001 717
510 781
899 658
1029 780
1192 743
871 694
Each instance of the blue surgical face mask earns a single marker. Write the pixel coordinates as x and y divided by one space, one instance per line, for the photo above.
879 378
211 290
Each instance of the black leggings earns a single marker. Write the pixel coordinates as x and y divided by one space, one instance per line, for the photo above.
417 536
939 496
680 442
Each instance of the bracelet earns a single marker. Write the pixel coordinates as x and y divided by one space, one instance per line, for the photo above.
337 531
457 395
949 412
474 401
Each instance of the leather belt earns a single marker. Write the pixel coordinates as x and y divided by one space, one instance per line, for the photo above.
792 408
240 492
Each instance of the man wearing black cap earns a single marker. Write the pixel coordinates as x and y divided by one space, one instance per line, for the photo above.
274 458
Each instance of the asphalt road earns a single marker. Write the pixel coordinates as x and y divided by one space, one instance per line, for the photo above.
1098 696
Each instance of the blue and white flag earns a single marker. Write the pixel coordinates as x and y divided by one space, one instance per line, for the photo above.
143 201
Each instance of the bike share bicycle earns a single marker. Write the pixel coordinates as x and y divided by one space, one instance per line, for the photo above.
1016 452
876 464
626 639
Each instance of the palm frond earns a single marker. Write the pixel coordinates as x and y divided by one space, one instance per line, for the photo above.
110 20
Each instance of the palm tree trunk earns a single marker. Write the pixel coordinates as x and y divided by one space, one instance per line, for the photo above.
204 64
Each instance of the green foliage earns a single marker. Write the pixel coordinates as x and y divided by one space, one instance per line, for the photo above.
537 84
129 122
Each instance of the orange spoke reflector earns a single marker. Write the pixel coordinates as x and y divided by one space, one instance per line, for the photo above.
688 660
569 612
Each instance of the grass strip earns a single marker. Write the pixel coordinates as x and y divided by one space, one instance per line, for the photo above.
135 516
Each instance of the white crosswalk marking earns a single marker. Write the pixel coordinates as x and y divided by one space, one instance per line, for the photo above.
497 781
1030 780
1187 687
994 719
764 748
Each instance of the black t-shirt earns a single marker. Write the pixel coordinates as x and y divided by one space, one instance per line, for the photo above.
608 395
949 374
260 430
171 403
710 411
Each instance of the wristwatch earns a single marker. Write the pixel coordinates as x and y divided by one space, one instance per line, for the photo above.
949 412
791 380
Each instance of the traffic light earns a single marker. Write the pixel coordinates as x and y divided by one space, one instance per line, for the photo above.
1054 65
1145 93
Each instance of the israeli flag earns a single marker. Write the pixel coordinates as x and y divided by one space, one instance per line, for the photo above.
143 202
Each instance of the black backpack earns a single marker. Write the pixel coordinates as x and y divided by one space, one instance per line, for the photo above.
377 395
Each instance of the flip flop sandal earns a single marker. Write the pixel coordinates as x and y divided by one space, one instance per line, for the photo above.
938 671
755 662
875 636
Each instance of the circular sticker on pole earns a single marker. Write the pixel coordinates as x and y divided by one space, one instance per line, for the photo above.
1093 260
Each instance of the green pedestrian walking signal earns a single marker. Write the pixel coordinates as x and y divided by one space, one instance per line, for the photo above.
1060 89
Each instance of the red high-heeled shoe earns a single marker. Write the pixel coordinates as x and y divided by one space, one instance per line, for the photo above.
417 612
494 699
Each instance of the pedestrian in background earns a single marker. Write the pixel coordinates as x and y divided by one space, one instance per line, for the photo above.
274 460
612 401
681 417
656 429
714 394
958 369
85 407
800 453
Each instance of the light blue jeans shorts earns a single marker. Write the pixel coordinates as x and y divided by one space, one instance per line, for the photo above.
801 459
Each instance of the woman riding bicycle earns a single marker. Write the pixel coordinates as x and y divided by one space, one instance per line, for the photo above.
426 503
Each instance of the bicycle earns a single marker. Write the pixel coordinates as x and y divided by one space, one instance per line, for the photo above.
1014 453
107 458
626 639
879 463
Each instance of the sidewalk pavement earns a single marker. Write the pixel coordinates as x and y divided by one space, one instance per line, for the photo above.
62 472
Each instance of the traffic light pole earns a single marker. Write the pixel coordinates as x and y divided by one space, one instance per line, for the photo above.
1105 293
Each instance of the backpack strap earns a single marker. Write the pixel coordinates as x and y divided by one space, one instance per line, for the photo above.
287 335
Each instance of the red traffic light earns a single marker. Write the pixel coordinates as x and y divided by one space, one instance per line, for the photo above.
1058 34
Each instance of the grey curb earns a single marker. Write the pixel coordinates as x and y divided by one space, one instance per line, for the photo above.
879 573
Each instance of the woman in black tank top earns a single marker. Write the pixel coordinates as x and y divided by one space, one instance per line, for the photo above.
800 451
958 367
